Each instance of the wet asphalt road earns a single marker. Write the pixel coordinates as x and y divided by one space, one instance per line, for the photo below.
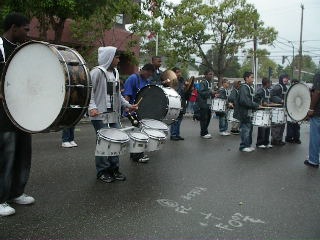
191 189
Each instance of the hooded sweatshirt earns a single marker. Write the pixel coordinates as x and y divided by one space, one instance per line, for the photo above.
105 94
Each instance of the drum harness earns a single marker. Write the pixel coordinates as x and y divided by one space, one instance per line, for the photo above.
2 50
112 100
252 96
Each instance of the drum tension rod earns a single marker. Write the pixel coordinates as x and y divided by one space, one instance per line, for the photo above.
77 85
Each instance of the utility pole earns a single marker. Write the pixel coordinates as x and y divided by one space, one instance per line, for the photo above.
292 62
300 49
255 60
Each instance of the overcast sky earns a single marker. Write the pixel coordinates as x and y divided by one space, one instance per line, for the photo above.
285 17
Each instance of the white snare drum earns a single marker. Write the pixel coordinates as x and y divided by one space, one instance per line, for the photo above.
278 116
261 118
230 117
46 87
154 124
219 105
138 142
111 142
156 139
159 103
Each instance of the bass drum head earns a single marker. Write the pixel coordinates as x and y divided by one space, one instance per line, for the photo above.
153 103
33 87
298 101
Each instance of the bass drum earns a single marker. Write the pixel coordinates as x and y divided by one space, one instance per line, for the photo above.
297 102
45 87
159 103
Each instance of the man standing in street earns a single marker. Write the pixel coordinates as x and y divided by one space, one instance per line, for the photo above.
156 77
243 111
205 93
314 115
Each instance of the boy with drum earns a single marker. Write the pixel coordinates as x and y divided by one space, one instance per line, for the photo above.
105 107
223 122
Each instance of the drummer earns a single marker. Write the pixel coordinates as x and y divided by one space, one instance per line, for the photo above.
243 110
223 94
15 145
104 108
277 96
263 98
131 87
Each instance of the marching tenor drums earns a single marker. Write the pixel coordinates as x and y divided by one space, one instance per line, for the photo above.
297 101
111 142
156 139
159 103
45 87
138 142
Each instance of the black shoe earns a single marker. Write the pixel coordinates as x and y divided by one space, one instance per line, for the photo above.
289 140
235 132
174 138
297 141
278 143
306 162
106 178
118 175
180 138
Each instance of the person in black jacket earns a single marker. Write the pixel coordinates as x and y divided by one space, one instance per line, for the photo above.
223 94
243 111
277 96
15 145
263 98
232 99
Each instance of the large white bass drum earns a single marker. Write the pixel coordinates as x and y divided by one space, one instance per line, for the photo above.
45 87
297 101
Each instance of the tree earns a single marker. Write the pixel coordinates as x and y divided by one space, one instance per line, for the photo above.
227 25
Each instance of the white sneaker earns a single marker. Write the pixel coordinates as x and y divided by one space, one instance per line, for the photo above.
248 149
261 146
224 133
24 199
6 210
207 136
252 148
144 159
66 145
73 144
269 146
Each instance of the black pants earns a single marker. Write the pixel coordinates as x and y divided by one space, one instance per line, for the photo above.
15 163
277 133
205 116
293 131
263 136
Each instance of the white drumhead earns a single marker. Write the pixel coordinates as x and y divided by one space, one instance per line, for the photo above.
34 87
154 134
298 101
155 124
138 136
113 135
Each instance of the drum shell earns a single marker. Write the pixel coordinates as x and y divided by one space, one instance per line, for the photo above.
261 118
77 87
278 116
159 103
138 142
111 142
156 139
219 105
230 117
154 124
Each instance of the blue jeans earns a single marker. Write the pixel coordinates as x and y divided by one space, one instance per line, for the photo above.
245 135
105 164
223 123
314 140
175 127
68 134
15 163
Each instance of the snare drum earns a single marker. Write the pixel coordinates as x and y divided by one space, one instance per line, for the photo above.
45 87
278 116
154 124
111 142
159 103
138 142
219 105
261 118
230 117
156 139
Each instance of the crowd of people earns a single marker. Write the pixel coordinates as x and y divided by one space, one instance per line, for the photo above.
108 101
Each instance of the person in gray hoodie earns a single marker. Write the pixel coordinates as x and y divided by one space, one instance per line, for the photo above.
105 107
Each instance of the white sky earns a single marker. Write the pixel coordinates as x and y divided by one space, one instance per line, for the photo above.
285 17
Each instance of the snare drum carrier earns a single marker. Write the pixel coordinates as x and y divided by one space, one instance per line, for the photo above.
113 104
262 118
251 92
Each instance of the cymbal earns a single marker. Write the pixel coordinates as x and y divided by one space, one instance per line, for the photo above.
169 74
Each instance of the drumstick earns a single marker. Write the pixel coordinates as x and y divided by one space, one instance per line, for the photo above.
139 101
